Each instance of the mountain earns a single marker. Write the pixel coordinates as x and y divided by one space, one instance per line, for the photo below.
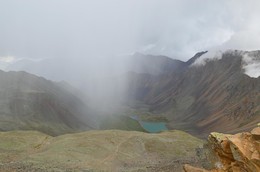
211 93
113 66
101 83
33 103
154 65
216 91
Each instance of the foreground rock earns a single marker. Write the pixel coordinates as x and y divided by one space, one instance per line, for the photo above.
239 152
109 150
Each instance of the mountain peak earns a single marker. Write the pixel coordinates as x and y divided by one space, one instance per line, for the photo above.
195 57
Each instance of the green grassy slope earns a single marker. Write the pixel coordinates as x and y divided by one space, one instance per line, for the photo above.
109 150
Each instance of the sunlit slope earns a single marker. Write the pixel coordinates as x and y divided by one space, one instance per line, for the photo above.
110 150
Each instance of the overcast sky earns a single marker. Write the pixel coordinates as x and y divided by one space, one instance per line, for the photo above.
82 29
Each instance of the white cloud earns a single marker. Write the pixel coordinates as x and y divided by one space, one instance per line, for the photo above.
147 48
179 28
13 63
251 64
209 56
7 59
250 60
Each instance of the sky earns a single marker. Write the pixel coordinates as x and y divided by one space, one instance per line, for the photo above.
96 29
84 42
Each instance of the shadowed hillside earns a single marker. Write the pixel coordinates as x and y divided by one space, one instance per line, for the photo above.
215 96
30 102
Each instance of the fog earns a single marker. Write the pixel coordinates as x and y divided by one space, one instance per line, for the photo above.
210 55
83 29
86 43
251 64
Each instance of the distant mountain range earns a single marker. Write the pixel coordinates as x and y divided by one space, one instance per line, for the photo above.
217 91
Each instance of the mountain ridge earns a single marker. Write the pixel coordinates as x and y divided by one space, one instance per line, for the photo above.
31 102
205 96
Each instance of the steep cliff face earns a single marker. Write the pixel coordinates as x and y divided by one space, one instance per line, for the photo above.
231 153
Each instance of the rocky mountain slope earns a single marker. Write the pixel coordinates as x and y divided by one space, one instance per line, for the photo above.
30 102
110 150
215 95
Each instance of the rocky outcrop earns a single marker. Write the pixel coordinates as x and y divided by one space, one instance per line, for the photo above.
233 153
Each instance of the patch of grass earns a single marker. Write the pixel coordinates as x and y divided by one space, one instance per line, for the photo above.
107 150
120 123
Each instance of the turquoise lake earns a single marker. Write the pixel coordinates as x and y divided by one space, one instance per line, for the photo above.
154 127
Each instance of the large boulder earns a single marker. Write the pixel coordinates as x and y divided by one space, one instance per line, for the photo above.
239 152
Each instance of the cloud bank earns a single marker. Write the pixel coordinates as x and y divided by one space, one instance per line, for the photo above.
209 56
86 29
251 64
84 41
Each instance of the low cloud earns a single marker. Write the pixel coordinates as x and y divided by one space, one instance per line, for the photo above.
209 56
251 64
80 41
6 61
71 29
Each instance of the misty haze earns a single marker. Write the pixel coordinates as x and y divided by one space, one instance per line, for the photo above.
133 85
